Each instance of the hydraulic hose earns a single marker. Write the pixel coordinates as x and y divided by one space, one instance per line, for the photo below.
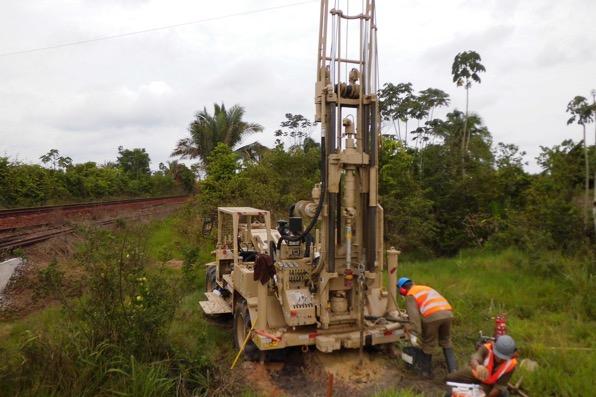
315 218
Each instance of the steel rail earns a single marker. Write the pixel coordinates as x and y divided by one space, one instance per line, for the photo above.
23 237
4 213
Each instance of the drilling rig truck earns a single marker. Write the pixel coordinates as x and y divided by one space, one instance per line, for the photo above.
322 277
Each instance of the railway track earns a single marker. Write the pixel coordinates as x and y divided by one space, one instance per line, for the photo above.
21 227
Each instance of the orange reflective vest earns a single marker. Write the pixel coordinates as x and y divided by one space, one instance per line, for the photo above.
428 300
495 373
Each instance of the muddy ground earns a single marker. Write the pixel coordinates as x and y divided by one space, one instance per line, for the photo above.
308 374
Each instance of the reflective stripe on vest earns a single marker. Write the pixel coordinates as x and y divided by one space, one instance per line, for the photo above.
428 300
489 362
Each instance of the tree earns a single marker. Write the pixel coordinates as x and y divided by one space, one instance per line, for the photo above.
582 113
409 220
433 98
282 177
57 161
134 163
452 129
180 173
551 219
395 102
511 178
465 69
428 101
297 127
222 185
398 104
208 130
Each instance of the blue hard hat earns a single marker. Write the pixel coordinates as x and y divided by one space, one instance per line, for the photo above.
504 347
403 281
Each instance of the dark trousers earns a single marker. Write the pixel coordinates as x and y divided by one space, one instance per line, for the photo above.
436 330
465 375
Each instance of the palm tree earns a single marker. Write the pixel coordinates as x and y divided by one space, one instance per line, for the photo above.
450 130
465 69
207 130
582 113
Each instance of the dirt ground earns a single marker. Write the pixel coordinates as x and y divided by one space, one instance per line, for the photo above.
21 296
307 374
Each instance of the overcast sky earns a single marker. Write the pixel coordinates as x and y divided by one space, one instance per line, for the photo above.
142 90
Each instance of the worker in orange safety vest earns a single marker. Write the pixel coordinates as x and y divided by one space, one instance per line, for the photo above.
490 367
430 316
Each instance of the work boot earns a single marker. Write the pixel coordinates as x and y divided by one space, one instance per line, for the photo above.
425 364
428 366
418 356
450 359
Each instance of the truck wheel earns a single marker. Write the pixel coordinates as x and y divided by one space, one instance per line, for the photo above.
210 279
241 328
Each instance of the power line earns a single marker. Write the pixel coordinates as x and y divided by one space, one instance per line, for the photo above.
117 36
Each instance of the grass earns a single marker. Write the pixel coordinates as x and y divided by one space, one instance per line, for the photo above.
163 241
543 313
41 355
547 300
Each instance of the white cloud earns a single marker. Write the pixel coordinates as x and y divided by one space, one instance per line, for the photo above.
142 90
150 105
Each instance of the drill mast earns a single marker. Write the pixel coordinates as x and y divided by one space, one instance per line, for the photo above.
346 106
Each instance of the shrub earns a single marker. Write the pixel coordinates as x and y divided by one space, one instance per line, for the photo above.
123 303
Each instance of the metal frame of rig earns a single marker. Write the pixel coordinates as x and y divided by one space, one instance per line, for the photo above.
319 285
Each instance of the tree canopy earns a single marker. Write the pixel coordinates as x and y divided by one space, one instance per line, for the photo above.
207 130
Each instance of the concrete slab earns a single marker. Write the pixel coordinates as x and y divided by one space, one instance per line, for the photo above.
7 268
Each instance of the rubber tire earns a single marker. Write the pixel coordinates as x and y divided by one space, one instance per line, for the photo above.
210 279
242 325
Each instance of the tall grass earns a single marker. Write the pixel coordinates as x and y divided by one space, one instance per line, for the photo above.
548 301
156 348
143 380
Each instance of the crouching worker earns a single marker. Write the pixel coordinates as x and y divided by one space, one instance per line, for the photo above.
430 316
490 367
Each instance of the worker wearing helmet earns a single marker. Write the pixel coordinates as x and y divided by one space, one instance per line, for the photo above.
491 366
430 316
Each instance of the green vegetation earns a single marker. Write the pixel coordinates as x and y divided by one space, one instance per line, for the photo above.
432 210
134 331
583 113
208 130
279 179
550 312
62 181
108 341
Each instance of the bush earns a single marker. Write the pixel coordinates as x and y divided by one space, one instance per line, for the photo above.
123 304
24 185
127 334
